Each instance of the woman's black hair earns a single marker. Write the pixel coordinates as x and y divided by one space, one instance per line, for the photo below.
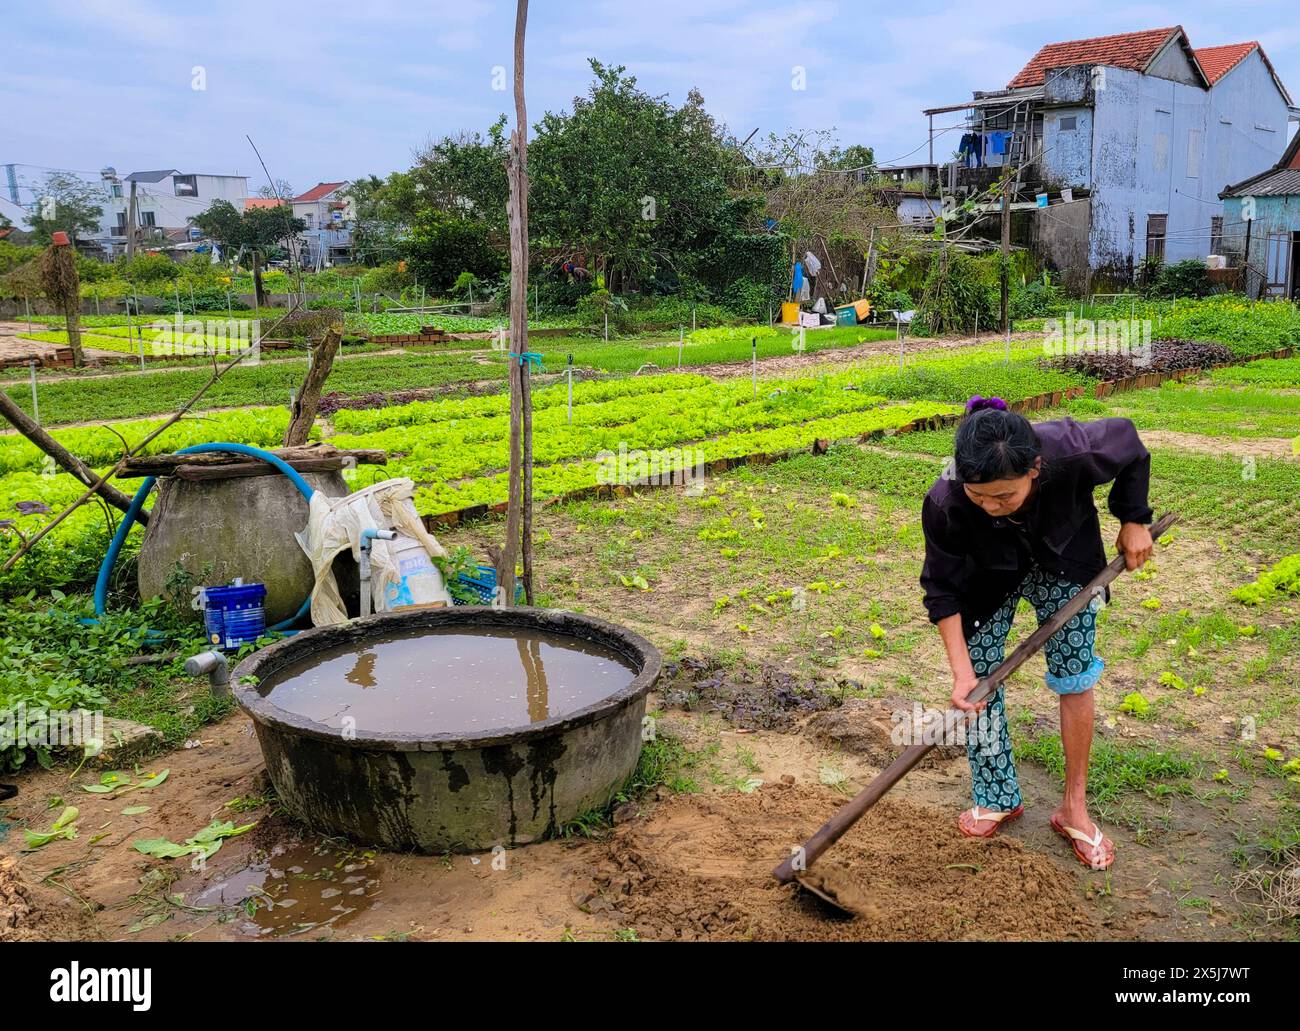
994 443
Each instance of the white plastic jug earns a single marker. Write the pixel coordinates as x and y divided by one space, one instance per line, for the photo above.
420 583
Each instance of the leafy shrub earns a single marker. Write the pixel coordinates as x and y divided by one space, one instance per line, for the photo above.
1037 299
679 311
882 298
598 304
147 268
442 246
205 298
1188 278
88 269
957 293
749 299
390 277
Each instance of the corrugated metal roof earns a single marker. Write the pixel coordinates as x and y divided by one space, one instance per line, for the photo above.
156 176
1280 183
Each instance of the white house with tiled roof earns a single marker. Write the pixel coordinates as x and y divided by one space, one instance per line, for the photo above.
328 214
1131 138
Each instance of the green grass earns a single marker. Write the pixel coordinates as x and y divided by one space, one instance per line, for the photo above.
1115 771
269 383
1217 411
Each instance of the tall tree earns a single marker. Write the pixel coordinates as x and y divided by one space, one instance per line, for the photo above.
254 231
280 189
65 203
629 179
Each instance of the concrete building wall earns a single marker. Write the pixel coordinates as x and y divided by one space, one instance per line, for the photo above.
1059 233
1067 153
1173 63
918 209
1162 147
169 209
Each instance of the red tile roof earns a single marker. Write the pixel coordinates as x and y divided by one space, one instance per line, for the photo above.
1132 50
1219 61
318 191
261 202
1291 158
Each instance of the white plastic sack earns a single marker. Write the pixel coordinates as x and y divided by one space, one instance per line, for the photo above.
811 264
337 523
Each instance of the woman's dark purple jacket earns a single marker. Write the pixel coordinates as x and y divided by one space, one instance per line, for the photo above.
972 560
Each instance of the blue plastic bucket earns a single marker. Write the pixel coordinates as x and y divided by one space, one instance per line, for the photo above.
235 615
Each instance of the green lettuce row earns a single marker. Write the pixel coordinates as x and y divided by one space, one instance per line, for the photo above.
368 420
554 480
434 456
1282 580
97 446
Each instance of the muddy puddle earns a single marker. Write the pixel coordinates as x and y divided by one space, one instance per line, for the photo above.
448 681
295 889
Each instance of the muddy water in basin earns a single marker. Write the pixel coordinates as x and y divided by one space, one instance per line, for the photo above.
448 681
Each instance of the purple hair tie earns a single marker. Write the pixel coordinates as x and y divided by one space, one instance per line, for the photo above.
978 403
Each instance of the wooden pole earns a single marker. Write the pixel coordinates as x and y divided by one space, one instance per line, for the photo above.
1006 256
307 399
130 224
36 401
520 441
1245 262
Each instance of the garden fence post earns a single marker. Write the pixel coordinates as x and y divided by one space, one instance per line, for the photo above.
681 340
607 327
94 292
28 308
569 373
754 361
36 405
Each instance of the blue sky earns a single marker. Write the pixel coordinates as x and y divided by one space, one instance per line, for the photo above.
336 91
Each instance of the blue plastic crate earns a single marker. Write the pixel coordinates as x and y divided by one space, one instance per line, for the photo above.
485 586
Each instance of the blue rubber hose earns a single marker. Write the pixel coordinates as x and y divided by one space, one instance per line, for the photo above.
137 503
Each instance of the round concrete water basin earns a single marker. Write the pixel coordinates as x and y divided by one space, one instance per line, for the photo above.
449 729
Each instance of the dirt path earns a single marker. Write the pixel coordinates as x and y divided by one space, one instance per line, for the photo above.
13 344
1242 447
676 867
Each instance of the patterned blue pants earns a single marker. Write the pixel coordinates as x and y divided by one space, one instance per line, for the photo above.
1072 668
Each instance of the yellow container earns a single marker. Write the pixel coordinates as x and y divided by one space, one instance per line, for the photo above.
789 313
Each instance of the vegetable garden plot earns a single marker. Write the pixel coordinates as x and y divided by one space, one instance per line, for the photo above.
694 419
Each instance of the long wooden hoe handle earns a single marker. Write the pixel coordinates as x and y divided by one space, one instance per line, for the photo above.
852 811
